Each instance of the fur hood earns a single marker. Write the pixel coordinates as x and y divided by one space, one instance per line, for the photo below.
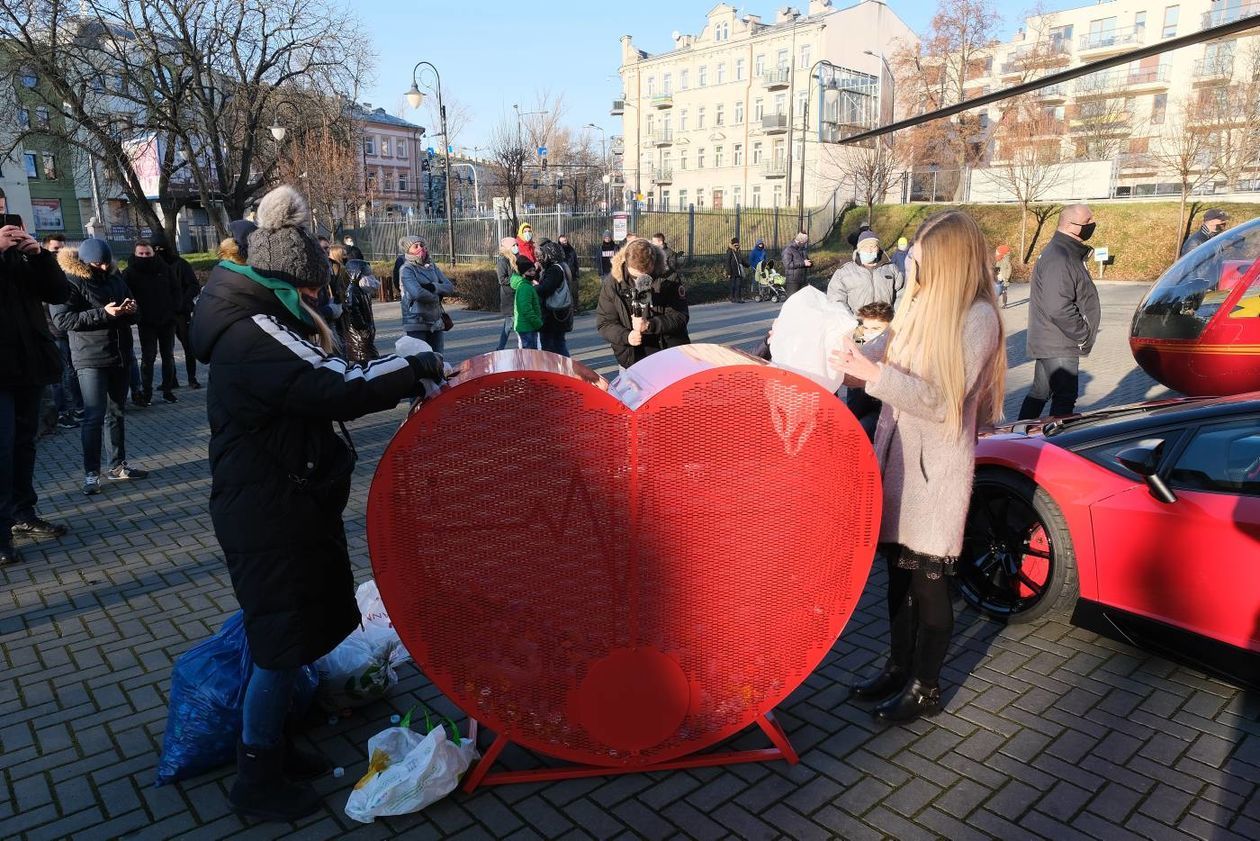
68 259
229 250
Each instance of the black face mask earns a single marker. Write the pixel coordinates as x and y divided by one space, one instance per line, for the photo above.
144 263
1087 231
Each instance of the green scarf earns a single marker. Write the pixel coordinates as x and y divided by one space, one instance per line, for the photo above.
285 292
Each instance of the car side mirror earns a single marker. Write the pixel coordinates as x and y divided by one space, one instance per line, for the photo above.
1144 461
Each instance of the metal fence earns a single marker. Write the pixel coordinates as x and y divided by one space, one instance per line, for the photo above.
696 232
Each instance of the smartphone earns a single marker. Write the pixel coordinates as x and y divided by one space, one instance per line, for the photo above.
13 219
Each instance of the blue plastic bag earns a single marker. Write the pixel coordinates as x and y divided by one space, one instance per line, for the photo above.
208 683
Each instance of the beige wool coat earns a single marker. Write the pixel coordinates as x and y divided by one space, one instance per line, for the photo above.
927 471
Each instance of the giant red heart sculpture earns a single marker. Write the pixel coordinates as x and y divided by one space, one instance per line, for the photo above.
621 586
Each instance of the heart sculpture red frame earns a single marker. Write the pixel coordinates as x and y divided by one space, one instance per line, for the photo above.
623 584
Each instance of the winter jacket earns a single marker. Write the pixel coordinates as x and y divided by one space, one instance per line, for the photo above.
280 473
188 284
571 260
358 325
155 288
527 312
667 322
757 256
554 321
527 250
927 472
899 259
735 263
1196 239
1003 270
856 285
507 296
794 257
423 288
673 270
603 257
1063 306
97 340
28 354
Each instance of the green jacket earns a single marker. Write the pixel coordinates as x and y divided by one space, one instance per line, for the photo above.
527 313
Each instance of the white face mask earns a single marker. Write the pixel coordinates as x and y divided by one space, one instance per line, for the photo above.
868 257
528 236
516 249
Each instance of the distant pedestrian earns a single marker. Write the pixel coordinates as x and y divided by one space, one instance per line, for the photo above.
1063 315
607 248
899 256
525 242
504 268
758 255
853 238
796 262
555 296
189 288
358 320
527 317
98 316
673 263
423 288
67 398
1002 271
157 294
866 278
29 279
735 266
570 256
639 313
1214 221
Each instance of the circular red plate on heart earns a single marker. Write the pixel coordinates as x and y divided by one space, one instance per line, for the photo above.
619 586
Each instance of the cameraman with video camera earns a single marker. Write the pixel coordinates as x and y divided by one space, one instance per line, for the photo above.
640 310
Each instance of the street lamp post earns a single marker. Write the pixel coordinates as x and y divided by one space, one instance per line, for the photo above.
603 153
892 85
415 97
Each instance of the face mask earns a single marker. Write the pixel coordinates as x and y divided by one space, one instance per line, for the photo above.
868 257
642 282
422 255
142 262
528 236
1087 231
516 249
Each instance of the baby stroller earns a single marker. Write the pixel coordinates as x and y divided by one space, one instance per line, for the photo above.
769 283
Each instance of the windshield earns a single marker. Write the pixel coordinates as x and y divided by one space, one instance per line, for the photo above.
1190 294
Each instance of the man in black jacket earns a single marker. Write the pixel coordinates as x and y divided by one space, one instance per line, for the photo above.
187 287
795 262
570 256
1063 315
98 315
158 297
29 361
735 265
673 262
1214 221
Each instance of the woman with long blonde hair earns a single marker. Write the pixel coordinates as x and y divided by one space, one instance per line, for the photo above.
940 370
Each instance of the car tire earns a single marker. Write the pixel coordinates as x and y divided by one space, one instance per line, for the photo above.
984 580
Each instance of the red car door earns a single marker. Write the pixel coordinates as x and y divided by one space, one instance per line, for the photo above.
1194 563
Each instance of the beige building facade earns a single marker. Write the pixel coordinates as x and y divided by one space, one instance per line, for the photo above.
725 117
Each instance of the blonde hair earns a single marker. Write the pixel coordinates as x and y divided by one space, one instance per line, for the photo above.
229 250
954 272
322 331
338 254
640 255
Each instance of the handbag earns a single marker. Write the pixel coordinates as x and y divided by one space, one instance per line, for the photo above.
447 322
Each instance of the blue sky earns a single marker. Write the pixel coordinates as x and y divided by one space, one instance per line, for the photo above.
493 54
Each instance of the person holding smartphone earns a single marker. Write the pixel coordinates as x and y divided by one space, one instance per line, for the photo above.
98 315
29 361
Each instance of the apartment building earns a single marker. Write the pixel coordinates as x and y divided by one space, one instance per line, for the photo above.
1126 115
392 155
724 118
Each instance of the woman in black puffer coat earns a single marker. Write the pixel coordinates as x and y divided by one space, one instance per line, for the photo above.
281 478
557 321
358 323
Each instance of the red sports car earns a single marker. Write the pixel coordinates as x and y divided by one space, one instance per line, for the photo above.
1143 520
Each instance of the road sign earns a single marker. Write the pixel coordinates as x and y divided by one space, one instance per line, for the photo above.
621 225
430 152
1102 255
450 150
542 151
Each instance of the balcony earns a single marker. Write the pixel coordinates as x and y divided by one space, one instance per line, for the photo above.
661 137
774 123
1229 15
1096 44
1055 53
663 176
1054 93
776 168
1218 68
1135 163
777 79
1129 81
1103 122
618 107
832 131
665 100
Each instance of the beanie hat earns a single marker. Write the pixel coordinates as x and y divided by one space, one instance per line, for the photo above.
96 251
902 242
865 235
1003 250
240 230
506 244
281 247
405 243
607 234
1214 214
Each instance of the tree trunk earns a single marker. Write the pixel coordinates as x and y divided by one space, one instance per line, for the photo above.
1181 224
1023 228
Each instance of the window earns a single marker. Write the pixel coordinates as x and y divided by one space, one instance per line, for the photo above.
371 180
369 145
721 72
401 146
651 124
31 162
800 102
717 156
1159 107
756 197
756 153
651 86
703 80
387 148
1171 16
682 160
739 70
700 117
782 61
667 84
739 113
1139 24
739 154
24 118
778 195
42 118
759 65
735 194
402 182
719 115
50 166
804 60
682 120
27 77
700 158
759 110
682 199
1221 458
700 197
683 80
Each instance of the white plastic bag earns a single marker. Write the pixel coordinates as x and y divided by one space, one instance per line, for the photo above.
408 771
808 329
364 666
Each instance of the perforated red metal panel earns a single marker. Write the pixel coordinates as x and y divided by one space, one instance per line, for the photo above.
621 587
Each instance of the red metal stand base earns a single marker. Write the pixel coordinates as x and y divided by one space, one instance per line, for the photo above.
480 774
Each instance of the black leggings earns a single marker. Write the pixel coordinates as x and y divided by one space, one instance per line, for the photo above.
922 619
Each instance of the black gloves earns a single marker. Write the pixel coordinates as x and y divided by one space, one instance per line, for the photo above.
427 366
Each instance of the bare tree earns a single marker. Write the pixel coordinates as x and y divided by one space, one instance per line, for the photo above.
507 159
1101 127
1233 121
1185 151
458 116
326 163
870 170
1027 159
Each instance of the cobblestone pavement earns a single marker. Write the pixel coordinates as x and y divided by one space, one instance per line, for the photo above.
1049 731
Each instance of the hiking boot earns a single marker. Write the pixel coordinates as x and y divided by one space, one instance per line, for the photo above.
37 527
123 472
91 484
261 790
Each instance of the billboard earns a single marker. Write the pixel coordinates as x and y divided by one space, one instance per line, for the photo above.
48 216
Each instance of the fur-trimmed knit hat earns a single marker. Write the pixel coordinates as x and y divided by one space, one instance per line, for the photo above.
282 247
